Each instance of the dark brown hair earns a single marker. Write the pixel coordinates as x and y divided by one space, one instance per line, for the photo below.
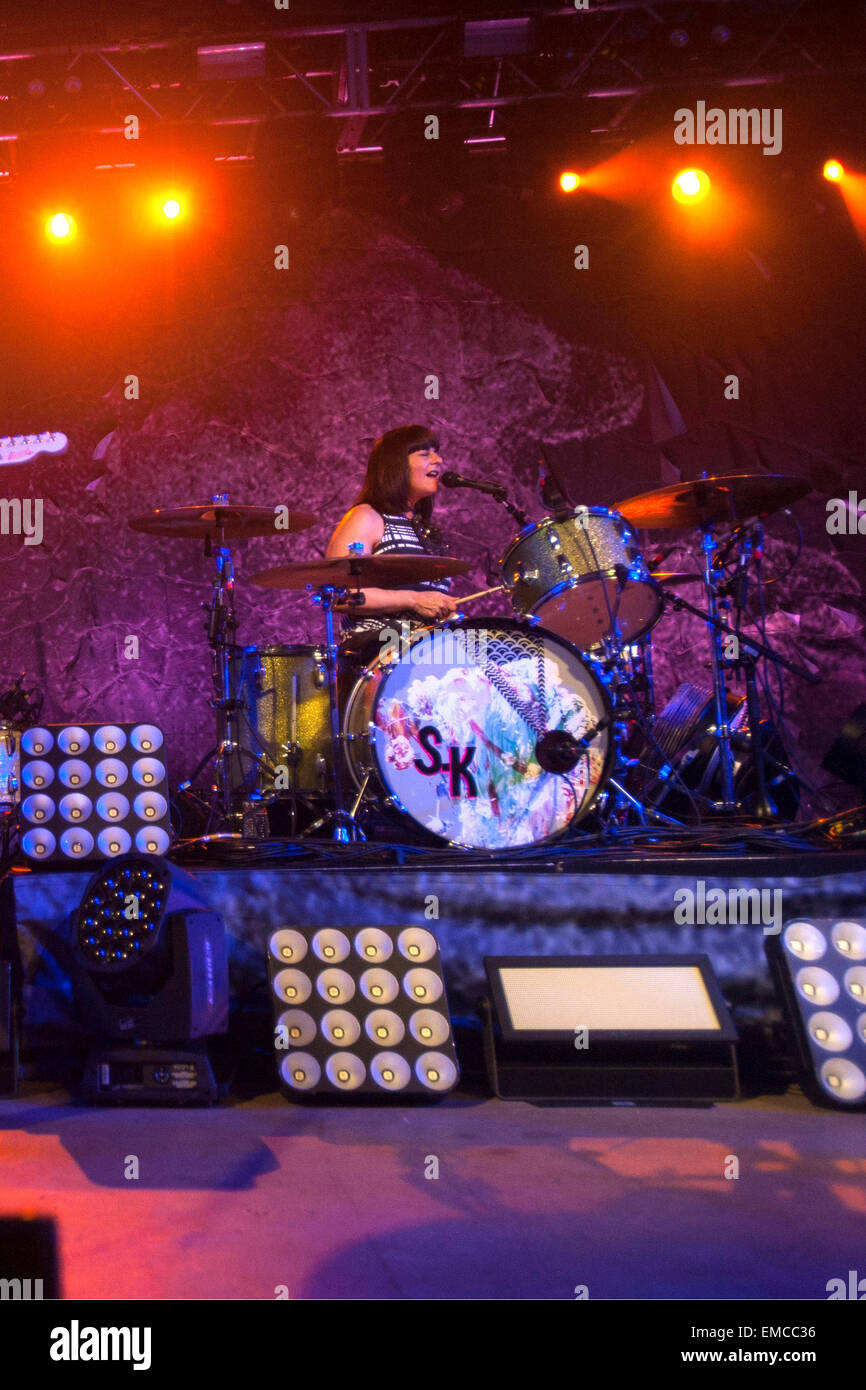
386 484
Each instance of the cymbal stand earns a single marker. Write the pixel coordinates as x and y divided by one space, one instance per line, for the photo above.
221 628
346 827
717 664
748 650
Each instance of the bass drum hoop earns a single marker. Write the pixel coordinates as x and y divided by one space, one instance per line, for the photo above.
370 767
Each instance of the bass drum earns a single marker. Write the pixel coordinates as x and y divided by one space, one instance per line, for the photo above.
462 725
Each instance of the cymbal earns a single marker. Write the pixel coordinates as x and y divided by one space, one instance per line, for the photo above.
707 501
675 576
238 522
361 571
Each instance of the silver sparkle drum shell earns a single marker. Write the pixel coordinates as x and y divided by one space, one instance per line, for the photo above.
564 572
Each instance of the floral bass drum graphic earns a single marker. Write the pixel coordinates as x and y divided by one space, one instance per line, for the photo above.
456 736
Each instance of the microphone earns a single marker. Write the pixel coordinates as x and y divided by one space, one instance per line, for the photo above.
559 751
451 479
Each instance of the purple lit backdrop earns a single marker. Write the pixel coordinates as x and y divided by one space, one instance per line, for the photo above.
280 405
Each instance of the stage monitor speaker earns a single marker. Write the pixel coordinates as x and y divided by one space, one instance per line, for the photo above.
360 1012
819 969
608 1028
29 1261
11 998
846 757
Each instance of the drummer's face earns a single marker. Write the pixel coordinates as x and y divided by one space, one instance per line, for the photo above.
425 467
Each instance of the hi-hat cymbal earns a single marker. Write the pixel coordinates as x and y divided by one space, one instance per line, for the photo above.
361 571
234 521
713 501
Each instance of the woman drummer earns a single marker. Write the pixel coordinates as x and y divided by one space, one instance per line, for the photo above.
392 516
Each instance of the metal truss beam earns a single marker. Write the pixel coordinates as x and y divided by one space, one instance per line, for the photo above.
363 74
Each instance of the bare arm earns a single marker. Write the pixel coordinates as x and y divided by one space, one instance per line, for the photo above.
363 524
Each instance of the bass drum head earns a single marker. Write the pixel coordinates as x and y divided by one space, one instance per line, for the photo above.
453 724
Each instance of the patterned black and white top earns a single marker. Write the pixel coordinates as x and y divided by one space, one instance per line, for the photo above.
400 537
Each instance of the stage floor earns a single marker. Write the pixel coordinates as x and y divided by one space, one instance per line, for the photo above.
530 1202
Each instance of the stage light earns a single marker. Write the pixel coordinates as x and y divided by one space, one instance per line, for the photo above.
691 186
569 181
606 1028
825 1005
61 227
93 791
151 972
359 1027
171 208
679 38
833 170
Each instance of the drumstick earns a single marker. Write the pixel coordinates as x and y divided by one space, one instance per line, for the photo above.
482 593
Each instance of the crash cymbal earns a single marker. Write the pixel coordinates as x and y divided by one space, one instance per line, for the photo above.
237 522
364 571
711 501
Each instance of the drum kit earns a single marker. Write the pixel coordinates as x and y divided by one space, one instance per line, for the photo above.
503 732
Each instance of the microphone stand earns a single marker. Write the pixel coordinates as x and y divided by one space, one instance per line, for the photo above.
501 496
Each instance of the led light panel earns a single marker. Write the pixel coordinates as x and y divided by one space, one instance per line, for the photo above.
360 1012
608 1028
819 967
93 791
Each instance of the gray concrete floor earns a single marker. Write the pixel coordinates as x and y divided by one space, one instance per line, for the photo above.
249 1198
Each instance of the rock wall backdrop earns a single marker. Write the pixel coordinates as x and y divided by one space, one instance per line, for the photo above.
278 402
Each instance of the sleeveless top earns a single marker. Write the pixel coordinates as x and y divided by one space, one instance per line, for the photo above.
400 537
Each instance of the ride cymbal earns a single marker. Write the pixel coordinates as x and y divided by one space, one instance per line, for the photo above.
713 501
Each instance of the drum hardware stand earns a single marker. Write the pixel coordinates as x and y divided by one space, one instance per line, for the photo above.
501 496
717 664
345 825
221 627
754 647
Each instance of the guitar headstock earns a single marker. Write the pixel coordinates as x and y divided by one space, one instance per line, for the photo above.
21 448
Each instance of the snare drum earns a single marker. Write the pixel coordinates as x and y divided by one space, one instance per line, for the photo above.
284 722
583 577
450 728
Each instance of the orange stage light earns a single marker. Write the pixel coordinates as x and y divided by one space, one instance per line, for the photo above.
61 227
569 181
171 208
690 186
833 170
